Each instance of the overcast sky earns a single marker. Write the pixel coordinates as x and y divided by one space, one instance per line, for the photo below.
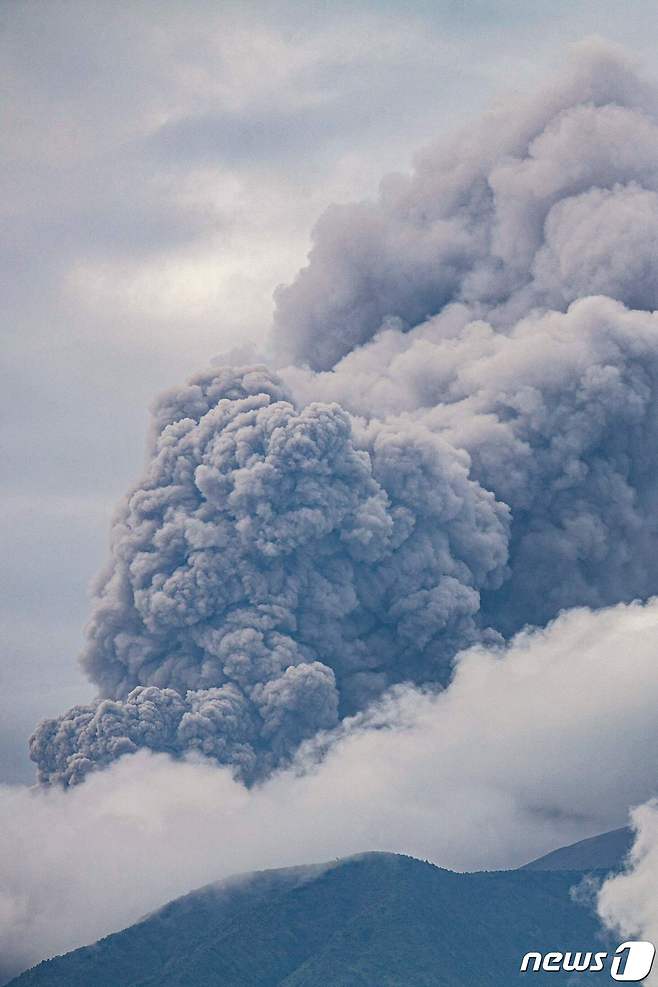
162 166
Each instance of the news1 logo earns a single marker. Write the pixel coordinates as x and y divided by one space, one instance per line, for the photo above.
631 962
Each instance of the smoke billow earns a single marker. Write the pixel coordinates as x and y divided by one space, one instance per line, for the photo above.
545 201
270 575
459 442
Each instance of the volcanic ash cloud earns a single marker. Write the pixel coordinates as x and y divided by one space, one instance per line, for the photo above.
459 441
270 575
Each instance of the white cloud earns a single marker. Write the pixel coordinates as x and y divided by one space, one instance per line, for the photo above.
628 903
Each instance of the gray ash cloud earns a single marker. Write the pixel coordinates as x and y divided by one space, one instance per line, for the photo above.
272 573
460 440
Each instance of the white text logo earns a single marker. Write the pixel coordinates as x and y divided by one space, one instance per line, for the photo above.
631 962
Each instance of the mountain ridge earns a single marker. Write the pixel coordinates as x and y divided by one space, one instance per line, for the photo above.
606 851
373 920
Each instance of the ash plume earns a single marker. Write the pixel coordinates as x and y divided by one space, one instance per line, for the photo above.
269 575
459 441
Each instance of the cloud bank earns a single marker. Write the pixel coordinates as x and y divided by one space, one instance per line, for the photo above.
457 444
628 902
503 765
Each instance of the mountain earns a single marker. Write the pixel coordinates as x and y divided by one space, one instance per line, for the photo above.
377 920
604 852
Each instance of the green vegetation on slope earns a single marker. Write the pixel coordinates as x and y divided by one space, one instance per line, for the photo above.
379 920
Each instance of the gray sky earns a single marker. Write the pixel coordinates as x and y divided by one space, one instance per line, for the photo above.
162 166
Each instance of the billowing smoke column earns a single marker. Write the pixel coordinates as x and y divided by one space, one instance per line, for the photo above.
270 575
483 455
